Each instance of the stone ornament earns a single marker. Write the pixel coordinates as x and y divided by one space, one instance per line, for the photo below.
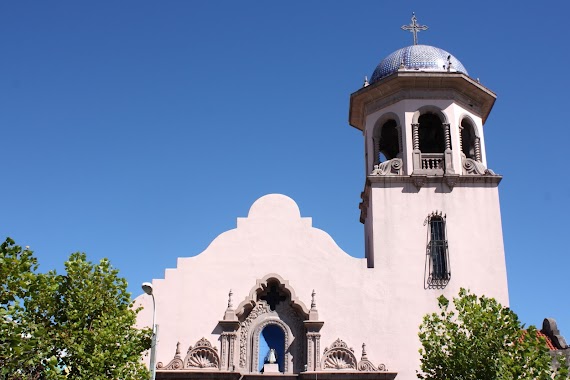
341 357
393 167
203 356
259 309
473 167
175 363
338 357
272 301
366 365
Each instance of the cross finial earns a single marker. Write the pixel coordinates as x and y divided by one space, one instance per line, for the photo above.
414 27
230 303
313 301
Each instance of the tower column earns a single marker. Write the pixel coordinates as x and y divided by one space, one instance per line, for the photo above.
460 138
416 154
478 149
400 145
448 153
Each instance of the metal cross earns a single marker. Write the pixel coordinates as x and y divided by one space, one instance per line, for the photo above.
414 27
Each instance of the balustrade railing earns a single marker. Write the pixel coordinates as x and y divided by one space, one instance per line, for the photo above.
433 162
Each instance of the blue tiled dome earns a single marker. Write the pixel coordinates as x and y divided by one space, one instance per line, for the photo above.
417 57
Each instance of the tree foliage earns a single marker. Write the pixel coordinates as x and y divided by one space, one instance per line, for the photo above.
77 325
480 339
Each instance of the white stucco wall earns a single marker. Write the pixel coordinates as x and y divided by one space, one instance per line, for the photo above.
380 306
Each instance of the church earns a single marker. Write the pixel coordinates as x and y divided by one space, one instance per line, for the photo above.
277 298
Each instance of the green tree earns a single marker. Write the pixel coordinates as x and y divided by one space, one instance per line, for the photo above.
24 353
77 325
480 339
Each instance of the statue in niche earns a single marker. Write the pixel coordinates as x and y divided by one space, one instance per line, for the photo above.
270 361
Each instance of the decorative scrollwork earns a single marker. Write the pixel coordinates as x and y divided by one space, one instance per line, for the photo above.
366 365
339 360
393 166
338 356
202 356
204 343
259 309
175 363
473 167
339 343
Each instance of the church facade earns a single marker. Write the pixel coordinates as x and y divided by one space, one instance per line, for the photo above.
276 297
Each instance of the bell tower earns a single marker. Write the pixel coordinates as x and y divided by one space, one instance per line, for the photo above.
430 205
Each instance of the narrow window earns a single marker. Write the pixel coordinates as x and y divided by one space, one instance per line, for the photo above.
437 252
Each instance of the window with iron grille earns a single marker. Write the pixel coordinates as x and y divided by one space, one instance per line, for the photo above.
437 256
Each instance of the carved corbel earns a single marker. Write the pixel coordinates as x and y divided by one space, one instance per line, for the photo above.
451 180
419 180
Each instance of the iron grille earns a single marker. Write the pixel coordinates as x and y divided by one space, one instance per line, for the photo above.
437 251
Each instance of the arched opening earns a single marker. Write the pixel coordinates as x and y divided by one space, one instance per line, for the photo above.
272 302
431 133
386 142
468 139
272 337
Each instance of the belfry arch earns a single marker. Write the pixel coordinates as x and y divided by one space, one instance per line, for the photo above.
387 138
470 139
431 138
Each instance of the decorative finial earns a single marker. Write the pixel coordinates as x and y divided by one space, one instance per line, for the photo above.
230 302
313 301
366 84
177 350
414 27
364 357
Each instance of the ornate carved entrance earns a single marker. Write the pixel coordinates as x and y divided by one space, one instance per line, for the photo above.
272 302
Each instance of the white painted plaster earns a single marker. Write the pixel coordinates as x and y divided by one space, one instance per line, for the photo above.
380 306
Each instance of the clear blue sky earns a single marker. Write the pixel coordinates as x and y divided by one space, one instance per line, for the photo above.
140 130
